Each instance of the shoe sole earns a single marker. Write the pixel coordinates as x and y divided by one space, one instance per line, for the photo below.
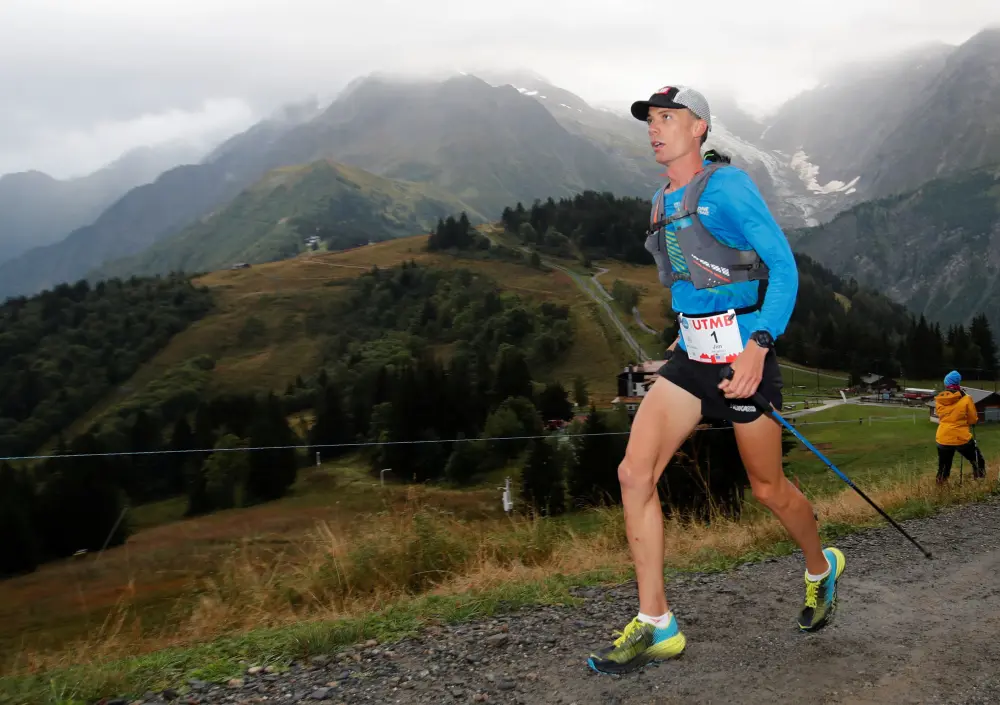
828 617
639 661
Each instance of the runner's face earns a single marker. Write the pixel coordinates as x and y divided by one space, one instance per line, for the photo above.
672 133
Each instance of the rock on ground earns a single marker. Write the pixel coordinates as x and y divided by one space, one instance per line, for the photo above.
907 630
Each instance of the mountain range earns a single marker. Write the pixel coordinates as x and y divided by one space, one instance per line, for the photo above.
935 249
888 127
482 142
37 209
343 206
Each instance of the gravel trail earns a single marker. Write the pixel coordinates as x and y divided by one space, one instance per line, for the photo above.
907 630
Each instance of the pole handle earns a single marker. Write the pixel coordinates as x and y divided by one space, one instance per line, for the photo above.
758 399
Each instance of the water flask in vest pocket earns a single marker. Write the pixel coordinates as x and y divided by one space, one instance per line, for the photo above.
711 263
655 246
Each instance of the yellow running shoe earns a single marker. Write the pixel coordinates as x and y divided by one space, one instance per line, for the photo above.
639 644
821 595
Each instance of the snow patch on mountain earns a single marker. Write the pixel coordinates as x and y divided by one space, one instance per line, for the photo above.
798 195
809 172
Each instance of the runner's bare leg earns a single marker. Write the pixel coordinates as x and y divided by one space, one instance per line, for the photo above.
665 418
760 448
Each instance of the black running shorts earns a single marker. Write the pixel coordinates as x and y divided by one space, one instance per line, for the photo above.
702 380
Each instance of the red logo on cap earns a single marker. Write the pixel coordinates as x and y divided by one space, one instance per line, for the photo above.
665 89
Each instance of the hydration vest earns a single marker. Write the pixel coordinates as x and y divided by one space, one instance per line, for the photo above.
710 263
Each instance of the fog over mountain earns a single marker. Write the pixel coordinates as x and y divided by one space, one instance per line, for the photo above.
130 74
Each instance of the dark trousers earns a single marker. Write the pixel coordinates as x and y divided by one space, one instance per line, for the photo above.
970 451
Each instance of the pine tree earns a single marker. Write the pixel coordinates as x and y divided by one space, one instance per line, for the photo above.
593 477
542 483
81 505
147 478
553 403
18 532
331 426
270 473
982 336
512 378
436 240
580 392
178 464
225 473
464 232
204 428
935 353
468 459
512 421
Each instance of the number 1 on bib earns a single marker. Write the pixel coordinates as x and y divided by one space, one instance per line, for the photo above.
712 339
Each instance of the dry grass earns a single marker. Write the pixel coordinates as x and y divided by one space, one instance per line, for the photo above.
318 565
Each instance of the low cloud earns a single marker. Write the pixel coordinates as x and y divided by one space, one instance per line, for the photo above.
76 75
66 153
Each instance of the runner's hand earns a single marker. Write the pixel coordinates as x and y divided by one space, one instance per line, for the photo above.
748 370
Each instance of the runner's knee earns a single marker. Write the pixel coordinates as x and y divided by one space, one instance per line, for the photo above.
636 477
773 495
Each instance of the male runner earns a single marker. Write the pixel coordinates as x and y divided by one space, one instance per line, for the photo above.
688 387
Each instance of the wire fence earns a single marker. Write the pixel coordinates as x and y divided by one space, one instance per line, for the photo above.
372 444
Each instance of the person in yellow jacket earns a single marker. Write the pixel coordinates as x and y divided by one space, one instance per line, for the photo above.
957 414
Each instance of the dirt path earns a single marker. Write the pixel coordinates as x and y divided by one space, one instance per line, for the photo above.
600 301
908 630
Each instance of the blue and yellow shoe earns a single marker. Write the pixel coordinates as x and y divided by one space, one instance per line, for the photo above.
638 645
821 595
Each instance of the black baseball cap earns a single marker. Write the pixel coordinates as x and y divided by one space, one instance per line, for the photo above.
676 97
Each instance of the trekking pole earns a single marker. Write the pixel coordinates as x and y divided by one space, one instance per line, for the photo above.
761 403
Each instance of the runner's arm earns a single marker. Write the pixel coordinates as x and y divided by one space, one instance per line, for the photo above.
750 216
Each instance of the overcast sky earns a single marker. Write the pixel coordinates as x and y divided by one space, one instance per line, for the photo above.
84 80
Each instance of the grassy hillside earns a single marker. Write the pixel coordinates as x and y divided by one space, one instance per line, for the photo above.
258 337
344 206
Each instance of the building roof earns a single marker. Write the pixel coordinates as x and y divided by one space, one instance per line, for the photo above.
872 379
648 367
977 395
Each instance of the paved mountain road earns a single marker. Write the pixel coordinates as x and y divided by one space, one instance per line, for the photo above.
908 630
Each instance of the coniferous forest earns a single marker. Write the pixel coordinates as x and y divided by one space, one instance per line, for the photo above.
836 324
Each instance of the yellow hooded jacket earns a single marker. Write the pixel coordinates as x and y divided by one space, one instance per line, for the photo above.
956 413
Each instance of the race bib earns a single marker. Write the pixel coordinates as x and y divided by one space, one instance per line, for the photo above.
712 339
